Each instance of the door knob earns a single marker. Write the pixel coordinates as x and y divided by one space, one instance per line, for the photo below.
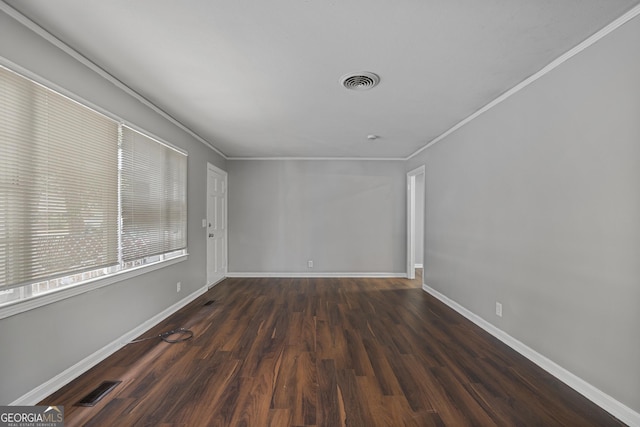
210 234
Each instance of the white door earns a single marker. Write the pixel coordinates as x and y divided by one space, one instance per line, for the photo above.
216 224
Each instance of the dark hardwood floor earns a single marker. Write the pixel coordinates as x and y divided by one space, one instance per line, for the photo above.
324 352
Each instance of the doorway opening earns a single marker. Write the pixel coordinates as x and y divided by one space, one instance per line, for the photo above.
415 220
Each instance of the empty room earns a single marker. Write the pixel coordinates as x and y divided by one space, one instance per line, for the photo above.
320 213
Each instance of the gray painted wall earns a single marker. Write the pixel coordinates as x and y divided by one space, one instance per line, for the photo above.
39 344
536 204
346 216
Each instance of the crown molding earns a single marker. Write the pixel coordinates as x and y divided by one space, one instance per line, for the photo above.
632 13
635 11
369 159
40 31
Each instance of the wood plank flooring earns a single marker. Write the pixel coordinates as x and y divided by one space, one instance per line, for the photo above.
324 352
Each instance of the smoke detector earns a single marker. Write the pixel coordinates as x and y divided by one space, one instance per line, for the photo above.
363 80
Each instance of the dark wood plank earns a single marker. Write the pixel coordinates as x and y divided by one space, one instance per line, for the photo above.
324 352
330 404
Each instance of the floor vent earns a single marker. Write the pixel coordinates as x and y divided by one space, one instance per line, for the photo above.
209 302
96 395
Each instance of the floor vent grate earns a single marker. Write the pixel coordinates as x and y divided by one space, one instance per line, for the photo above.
96 395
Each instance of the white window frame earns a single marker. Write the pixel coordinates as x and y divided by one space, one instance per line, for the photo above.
116 273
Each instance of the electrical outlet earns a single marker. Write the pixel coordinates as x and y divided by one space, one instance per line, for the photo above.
310 263
178 286
498 309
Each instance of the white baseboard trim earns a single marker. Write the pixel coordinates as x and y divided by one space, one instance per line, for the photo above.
37 394
211 285
600 398
320 275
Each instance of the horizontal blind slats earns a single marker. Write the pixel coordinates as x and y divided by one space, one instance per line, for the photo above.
153 197
58 184
59 199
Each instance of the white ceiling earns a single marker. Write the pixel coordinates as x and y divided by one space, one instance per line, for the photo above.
260 78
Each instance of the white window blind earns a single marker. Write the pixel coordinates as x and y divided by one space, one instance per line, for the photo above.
58 184
154 197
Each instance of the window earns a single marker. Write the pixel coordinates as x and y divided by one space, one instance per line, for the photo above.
81 195
154 211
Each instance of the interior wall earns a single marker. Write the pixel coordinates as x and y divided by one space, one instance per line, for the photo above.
39 344
345 216
536 204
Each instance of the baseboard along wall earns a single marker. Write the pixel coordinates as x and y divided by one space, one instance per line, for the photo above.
592 393
37 394
316 275
600 398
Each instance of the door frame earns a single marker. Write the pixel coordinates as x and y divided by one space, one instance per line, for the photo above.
411 220
225 175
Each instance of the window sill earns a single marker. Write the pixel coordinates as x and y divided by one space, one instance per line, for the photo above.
64 293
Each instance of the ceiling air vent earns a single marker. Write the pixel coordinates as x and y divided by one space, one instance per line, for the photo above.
360 81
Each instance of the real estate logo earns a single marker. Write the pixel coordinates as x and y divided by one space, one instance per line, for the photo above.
31 416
